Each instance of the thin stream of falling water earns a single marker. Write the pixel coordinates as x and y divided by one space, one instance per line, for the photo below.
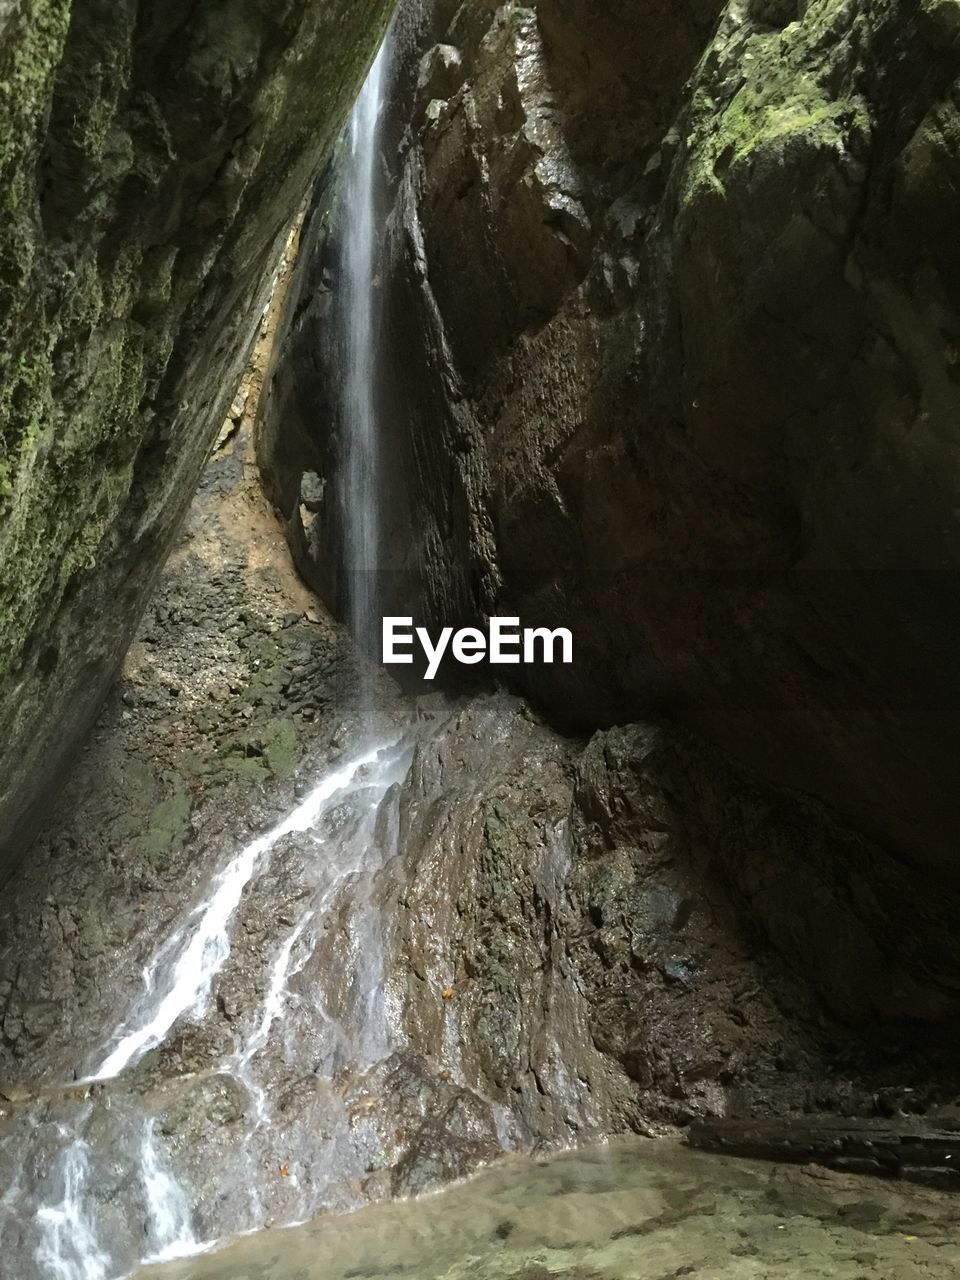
280 974
70 1246
169 1229
362 478
293 955
70 1250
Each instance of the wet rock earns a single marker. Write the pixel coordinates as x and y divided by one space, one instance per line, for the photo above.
443 966
721 455
191 1106
10 1091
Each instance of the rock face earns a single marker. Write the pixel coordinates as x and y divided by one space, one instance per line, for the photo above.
511 939
537 947
153 158
669 356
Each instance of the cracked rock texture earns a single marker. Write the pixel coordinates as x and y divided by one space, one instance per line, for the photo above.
152 158
669 355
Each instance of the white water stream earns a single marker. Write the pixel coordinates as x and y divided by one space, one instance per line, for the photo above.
179 978
169 1227
95 1160
69 1249
358 315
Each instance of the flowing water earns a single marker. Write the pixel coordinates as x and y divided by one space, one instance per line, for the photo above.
357 303
68 1247
111 1196
178 979
169 1221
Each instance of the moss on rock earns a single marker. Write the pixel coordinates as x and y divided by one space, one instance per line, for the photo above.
167 827
152 156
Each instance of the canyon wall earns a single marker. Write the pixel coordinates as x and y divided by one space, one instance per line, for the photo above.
669 356
153 157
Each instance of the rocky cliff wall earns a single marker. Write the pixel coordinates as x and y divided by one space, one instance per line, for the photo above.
152 158
670 327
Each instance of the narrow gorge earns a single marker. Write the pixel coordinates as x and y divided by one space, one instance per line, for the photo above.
637 321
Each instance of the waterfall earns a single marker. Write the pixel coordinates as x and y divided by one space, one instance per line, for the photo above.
169 1229
361 485
113 1193
69 1249
104 1178
179 977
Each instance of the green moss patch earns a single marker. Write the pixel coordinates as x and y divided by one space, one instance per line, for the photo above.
167 828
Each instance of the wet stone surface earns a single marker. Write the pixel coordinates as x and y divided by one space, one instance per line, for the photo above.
479 937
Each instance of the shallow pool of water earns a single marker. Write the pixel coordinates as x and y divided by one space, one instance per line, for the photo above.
635 1210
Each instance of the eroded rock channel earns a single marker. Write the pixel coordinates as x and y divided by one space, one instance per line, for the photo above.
613 320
